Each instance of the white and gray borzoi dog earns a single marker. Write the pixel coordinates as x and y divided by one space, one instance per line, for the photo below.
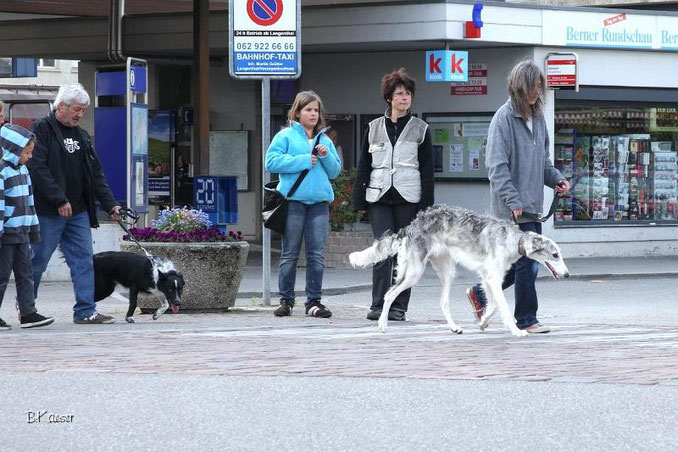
446 236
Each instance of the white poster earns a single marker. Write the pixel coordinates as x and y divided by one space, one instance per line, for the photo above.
476 149
475 129
139 191
456 158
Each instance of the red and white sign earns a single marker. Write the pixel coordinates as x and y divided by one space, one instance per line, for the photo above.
477 82
614 19
264 38
264 12
561 71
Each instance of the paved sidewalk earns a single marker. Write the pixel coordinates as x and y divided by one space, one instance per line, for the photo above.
343 281
226 380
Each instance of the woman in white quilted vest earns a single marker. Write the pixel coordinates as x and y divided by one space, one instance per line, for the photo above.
394 180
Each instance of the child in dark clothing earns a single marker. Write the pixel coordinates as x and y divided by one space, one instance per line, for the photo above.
18 223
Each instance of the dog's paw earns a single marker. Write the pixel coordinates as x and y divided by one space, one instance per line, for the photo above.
382 325
520 333
482 326
129 320
456 330
155 316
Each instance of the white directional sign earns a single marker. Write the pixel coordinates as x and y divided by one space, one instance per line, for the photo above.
265 38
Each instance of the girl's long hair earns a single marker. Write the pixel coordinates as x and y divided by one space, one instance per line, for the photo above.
522 81
302 99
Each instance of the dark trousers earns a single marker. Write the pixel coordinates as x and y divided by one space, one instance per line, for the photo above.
392 218
522 275
17 257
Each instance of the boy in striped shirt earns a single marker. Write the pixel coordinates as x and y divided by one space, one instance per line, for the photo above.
18 223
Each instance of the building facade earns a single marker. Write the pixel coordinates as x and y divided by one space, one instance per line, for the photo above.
616 138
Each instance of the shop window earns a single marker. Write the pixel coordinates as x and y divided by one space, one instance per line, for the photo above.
25 114
47 63
621 162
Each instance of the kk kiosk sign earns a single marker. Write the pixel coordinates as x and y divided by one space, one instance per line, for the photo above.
446 66
264 38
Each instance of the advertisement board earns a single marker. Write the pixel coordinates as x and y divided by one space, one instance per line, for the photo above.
264 38
139 161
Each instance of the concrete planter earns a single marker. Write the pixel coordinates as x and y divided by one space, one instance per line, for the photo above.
212 272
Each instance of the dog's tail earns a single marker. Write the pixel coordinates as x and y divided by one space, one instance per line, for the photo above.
381 249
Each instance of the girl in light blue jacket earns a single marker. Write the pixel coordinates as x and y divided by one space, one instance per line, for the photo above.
303 145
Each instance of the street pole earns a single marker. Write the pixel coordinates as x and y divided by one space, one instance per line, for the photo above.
265 177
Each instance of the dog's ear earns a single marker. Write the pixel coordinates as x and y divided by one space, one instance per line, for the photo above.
161 275
535 241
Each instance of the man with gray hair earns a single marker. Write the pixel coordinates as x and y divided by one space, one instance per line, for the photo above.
68 181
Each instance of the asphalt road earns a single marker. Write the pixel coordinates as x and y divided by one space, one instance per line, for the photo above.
605 379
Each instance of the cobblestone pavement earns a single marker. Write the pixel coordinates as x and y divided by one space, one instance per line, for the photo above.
596 353
602 333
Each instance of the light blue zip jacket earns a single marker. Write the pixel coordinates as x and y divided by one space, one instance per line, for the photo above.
290 153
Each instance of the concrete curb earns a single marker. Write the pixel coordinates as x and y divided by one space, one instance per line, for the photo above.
326 291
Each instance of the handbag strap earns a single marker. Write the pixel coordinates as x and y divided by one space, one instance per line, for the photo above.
304 172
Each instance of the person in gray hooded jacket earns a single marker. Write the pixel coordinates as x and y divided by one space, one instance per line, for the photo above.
519 166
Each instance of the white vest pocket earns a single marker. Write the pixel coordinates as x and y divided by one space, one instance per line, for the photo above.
372 194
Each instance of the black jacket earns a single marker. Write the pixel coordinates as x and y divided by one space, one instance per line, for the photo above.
425 158
49 183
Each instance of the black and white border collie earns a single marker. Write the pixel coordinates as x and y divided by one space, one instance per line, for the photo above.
138 273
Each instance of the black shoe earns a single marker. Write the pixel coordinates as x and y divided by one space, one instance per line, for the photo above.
4 326
373 314
284 309
95 318
34 320
317 309
397 316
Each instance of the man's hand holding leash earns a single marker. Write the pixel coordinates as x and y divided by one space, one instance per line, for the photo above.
115 213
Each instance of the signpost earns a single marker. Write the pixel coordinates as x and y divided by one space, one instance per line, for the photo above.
561 71
264 42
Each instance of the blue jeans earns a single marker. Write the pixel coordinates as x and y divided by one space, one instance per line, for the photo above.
522 275
309 222
75 236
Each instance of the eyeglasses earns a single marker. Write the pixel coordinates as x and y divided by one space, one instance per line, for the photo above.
402 94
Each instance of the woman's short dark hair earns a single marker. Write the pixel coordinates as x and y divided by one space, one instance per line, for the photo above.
394 79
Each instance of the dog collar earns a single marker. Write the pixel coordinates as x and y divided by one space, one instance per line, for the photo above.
521 246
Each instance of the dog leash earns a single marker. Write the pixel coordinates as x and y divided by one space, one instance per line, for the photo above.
130 217
537 218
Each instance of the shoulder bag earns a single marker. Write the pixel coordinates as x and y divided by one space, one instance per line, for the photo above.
274 212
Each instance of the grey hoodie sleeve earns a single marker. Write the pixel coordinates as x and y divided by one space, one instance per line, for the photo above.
499 148
551 174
